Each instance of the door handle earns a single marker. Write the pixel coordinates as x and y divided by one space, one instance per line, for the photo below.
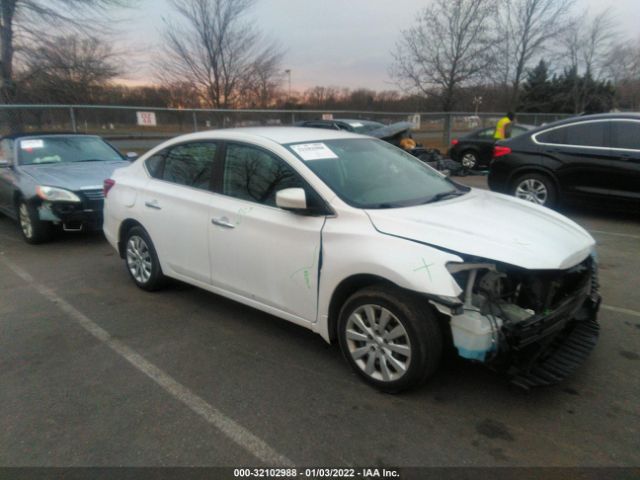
222 222
153 204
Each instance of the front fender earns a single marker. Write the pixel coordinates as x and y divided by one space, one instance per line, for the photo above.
354 247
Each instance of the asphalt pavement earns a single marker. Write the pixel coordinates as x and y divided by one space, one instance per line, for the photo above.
95 372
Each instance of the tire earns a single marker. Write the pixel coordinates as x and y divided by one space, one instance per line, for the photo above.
34 230
386 362
469 159
142 261
536 188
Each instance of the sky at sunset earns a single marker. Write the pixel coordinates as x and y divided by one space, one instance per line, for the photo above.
327 42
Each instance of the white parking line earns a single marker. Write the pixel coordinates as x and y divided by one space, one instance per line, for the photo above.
621 310
235 432
615 234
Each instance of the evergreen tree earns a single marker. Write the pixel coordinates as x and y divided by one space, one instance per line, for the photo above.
537 90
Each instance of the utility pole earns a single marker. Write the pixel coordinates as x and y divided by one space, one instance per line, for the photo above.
288 72
477 101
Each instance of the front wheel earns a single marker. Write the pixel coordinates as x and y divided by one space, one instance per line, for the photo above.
142 260
535 188
34 230
389 338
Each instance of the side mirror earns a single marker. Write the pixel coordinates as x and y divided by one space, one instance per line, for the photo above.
131 156
291 199
4 163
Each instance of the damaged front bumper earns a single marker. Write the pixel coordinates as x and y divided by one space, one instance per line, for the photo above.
86 215
536 327
557 356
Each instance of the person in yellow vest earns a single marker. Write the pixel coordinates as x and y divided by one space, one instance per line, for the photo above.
503 128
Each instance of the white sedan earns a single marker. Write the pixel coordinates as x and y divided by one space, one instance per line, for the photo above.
362 243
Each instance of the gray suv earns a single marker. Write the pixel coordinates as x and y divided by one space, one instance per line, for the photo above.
55 179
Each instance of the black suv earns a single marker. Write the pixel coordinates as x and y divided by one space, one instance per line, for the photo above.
593 155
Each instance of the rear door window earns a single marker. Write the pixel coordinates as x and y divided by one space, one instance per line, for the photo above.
487 133
154 164
189 164
588 134
625 135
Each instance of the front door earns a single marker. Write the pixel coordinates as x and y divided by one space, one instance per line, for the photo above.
7 177
259 251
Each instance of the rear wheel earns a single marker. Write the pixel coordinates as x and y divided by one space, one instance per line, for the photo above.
142 261
535 188
469 159
33 229
389 338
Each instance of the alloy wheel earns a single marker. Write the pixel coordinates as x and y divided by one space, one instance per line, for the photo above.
378 343
139 259
469 160
532 190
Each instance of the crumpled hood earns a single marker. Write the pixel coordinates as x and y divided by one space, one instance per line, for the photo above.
73 176
492 226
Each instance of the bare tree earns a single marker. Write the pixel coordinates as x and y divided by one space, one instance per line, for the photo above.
215 49
584 48
446 50
623 62
23 22
623 67
524 30
68 69
321 97
587 45
264 76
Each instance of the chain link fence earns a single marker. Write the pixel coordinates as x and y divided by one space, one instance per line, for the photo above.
123 123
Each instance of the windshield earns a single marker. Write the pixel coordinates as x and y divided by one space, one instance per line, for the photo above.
370 173
64 149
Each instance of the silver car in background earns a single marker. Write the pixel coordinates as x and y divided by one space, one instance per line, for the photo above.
55 179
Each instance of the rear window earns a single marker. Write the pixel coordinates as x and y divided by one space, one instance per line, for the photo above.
588 134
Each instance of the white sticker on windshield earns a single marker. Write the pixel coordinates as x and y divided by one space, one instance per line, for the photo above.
356 124
313 151
31 144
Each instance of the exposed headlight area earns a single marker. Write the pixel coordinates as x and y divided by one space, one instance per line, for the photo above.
55 194
511 317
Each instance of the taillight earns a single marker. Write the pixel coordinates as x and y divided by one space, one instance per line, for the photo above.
500 151
454 142
108 184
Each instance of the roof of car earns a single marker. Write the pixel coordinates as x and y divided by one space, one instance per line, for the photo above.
13 136
599 116
281 135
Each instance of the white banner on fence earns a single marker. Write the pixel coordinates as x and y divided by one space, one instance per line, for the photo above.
415 119
327 116
146 119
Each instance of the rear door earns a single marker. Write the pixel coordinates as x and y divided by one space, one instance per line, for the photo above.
484 141
581 156
176 206
625 145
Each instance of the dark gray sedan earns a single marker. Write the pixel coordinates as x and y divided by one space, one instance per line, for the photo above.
55 179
